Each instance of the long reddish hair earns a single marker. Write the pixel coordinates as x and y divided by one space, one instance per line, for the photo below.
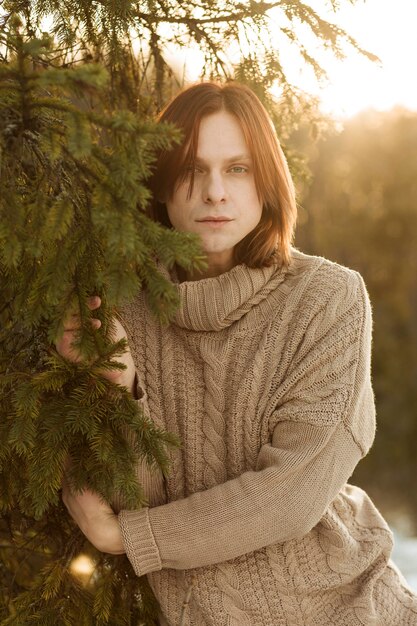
270 241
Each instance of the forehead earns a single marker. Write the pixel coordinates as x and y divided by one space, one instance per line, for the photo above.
221 137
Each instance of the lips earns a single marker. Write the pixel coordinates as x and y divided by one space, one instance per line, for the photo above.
217 218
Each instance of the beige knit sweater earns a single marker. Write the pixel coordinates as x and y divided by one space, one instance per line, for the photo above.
265 377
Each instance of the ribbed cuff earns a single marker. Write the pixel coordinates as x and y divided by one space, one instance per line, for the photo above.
139 542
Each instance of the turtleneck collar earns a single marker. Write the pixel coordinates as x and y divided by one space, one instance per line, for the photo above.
212 304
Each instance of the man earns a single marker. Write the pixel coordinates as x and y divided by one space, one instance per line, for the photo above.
264 374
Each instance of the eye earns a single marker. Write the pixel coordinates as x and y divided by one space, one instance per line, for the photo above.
192 170
238 169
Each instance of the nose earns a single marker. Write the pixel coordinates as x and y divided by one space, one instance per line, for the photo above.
214 191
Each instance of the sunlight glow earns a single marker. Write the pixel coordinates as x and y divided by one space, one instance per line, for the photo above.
354 83
82 566
386 29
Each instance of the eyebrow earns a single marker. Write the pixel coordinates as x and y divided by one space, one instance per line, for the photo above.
233 159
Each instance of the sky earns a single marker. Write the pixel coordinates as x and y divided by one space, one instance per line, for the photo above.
383 27
388 29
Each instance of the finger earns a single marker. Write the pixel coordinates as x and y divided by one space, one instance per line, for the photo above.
68 330
93 302
73 325
73 322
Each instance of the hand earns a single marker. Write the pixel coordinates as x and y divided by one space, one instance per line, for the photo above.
95 518
64 347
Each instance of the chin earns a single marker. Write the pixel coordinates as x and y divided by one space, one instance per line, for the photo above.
221 252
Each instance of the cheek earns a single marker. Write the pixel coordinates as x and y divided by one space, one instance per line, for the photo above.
257 208
178 204
250 197
171 211
175 210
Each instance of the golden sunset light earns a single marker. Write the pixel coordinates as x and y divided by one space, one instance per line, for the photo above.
386 30
353 83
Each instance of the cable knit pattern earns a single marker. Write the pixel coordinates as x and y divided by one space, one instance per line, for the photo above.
171 359
214 427
233 604
280 563
226 299
264 374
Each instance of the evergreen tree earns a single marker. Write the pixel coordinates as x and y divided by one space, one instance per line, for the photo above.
77 144
72 185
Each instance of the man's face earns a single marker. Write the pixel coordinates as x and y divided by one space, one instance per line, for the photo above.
224 186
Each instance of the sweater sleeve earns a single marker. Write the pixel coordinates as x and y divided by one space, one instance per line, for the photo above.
150 479
324 424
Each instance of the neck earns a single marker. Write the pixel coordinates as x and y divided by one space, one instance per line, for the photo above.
214 268
209 272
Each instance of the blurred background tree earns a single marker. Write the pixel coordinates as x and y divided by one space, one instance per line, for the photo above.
77 141
360 210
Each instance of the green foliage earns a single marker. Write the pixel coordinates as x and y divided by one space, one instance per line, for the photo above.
360 211
84 206
132 41
58 595
72 224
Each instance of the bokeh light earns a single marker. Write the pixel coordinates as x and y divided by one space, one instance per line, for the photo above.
82 567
